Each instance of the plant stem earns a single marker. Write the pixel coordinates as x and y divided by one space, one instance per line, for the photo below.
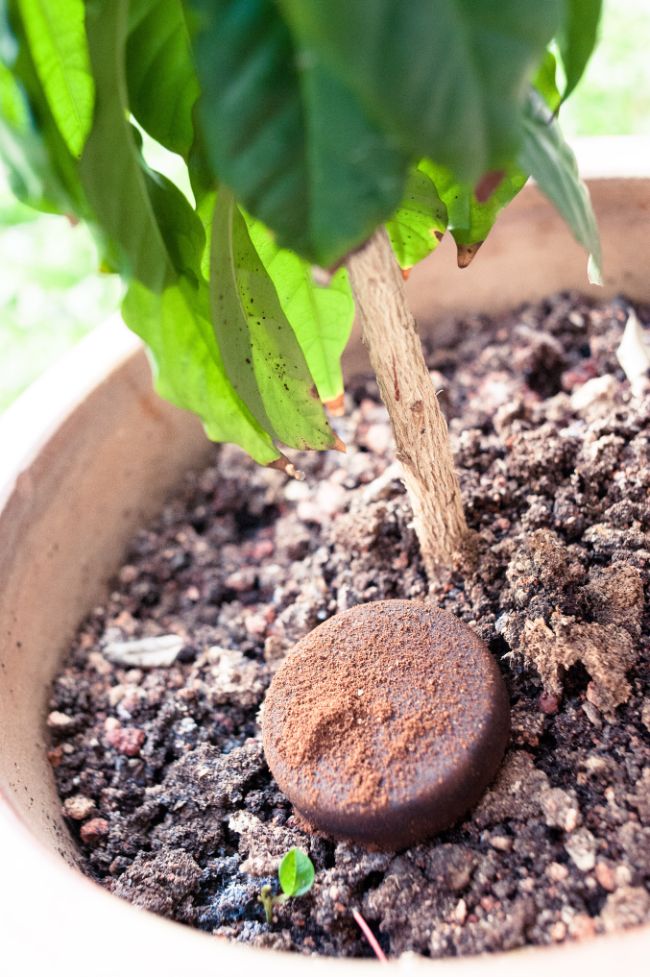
419 427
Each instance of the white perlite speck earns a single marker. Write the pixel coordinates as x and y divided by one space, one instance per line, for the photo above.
581 848
158 652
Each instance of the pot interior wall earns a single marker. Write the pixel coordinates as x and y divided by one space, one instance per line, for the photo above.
63 530
70 512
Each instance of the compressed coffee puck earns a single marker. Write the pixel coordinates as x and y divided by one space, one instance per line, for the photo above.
386 723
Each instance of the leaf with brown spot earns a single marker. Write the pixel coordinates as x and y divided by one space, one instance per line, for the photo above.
261 354
418 224
472 213
487 185
318 305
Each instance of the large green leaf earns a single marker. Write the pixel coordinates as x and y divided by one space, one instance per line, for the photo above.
42 171
21 149
321 316
446 78
156 240
144 216
287 136
470 220
577 38
57 42
261 354
189 372
420 221
548 158
161 80
179 226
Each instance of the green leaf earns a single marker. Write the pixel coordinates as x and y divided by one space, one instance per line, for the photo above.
577 38
420 221
42 171
287 136
160 75
296 873
111 167
545 82
175 325
20 147
57 42
447 79
154 237
550 161
144 216
470 221
321 316
178 224
261 354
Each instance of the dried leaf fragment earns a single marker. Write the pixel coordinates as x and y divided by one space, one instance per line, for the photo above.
634 354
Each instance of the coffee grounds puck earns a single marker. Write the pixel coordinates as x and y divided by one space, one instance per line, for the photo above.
386 723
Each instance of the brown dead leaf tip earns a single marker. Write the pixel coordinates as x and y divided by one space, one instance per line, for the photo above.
467 253
282 464
336 406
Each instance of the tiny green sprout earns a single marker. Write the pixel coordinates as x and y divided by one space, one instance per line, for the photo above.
296 873
296 876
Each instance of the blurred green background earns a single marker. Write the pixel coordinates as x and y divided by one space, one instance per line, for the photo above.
51 293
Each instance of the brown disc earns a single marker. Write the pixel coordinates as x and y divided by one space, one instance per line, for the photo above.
386 723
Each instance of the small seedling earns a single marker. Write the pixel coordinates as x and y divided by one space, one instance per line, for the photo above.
296 877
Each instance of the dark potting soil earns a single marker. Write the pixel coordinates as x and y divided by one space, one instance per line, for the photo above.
160 769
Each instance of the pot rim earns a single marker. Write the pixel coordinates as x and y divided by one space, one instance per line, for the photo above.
142 938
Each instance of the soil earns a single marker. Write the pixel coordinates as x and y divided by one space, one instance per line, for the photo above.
160 769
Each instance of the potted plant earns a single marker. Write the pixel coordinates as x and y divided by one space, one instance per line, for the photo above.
168 283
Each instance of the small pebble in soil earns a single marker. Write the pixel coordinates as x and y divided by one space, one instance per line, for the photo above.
385 724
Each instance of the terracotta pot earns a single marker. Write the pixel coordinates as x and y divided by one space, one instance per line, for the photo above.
87 454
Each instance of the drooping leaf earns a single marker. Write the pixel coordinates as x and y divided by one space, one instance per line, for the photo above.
160 75
577 38
124 195
188 370
154 237
321 316
420 221
296 873
287 136
42 171
58 47
21 149
447 79
550 161
470 221
261 354
179 226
